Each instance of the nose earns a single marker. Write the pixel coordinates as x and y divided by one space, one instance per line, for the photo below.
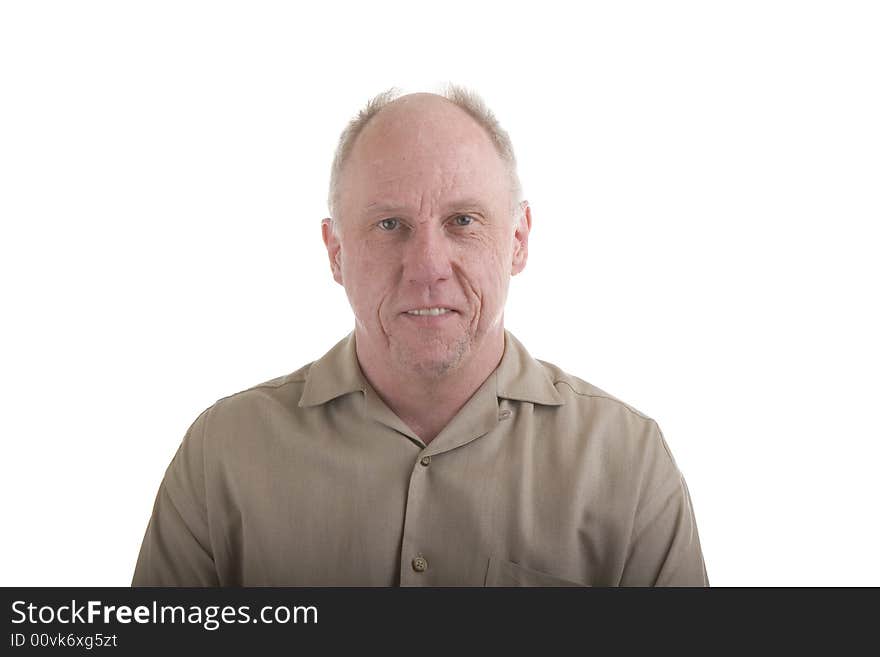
427 256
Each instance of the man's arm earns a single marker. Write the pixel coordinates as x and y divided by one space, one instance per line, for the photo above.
176 550
665 546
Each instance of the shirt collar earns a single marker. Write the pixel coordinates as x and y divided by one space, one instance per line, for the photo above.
518 375
335 374
523 378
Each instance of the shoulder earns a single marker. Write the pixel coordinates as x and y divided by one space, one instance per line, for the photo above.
582 394
257 403
281 388
590 415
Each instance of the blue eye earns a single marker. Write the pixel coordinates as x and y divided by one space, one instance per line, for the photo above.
389 224
468 220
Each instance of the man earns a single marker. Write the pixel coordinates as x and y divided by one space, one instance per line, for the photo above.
428 447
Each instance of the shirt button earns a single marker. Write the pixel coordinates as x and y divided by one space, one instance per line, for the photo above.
503 415
420 564
426 461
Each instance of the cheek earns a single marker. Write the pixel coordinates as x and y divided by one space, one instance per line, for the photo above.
488 275
491 263
367 280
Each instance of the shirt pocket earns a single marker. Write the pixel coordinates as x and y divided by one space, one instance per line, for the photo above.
501 572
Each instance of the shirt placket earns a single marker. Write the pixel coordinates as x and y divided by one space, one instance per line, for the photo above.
421 560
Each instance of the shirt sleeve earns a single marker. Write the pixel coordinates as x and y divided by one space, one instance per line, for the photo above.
176 550
665 546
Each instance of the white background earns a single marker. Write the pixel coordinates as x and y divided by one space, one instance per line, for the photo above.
704 185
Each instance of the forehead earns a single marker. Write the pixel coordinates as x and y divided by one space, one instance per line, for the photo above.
423 151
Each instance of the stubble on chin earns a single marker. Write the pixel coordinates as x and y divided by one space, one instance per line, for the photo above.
434 359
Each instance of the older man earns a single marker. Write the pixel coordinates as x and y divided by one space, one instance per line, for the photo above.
428 447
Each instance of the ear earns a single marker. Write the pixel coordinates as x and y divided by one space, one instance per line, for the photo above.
334 249
521 239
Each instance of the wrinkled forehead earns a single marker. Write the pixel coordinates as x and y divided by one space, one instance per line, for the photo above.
420 159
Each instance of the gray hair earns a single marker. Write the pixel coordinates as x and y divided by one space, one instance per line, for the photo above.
464 98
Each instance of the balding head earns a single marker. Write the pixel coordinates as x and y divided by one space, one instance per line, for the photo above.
451 115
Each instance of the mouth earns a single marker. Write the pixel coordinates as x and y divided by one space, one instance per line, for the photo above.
425 318
429 312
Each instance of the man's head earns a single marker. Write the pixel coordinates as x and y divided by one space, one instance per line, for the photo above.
426 215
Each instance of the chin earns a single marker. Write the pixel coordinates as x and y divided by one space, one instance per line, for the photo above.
433 360
435 369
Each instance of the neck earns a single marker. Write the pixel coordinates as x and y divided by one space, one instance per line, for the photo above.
427 403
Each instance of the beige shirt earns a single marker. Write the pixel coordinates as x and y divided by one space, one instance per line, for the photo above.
311 480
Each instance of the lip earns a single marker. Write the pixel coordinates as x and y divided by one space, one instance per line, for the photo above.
430 320
436 305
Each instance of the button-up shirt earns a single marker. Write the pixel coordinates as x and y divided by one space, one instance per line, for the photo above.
311 480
